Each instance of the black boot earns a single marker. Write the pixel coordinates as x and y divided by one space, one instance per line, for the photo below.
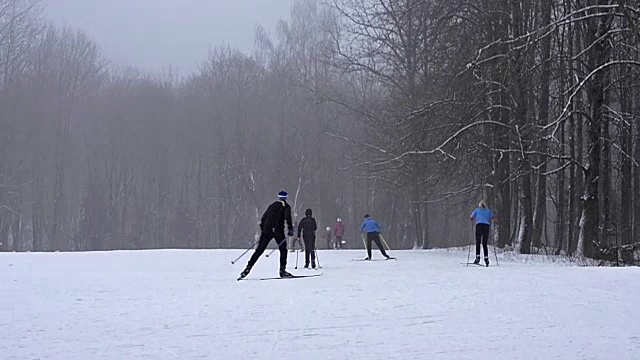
477 262
244 273
285 274
306 266
486 260
313 265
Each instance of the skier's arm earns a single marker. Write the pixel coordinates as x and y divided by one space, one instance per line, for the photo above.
300 227
362 226
315 225
263 219
287 218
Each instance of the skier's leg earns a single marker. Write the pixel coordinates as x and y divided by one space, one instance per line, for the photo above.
379 245
369 240
312 250
265 237
283 255
478 239
307 252
280 239
485 239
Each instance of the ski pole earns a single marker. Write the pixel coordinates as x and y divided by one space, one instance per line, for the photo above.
243 254
385 243
272 250
470 244
493 241
296 256
365 245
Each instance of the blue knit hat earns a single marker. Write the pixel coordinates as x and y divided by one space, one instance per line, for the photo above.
282 195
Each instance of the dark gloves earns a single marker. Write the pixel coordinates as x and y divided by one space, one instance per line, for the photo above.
290 232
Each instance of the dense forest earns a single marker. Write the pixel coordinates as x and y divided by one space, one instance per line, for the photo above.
409 110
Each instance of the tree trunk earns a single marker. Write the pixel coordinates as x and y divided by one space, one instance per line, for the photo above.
560 217
501 140
636 179
606 226
417 244
541 193
576 140
626 181
520 88
597 95
426 244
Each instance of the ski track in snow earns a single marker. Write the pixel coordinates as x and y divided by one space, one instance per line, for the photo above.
184 304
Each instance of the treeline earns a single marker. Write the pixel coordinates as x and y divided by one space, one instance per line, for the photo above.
410 110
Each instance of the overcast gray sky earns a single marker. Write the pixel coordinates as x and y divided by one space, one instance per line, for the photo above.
153 34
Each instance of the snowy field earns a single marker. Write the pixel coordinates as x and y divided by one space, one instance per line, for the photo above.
188 305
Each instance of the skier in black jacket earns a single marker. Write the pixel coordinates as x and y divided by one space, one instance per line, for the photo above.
307 226
272 227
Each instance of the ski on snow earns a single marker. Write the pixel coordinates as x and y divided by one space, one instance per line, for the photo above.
391 258
474 264
277 278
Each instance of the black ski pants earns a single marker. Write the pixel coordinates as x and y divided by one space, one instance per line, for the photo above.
375 237
265 238
482 235
309 250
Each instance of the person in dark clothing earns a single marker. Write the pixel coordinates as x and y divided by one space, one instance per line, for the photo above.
339 233
483 216
373 235
307 227
272 227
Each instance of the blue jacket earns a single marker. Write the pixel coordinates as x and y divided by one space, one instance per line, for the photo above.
482 216
370 225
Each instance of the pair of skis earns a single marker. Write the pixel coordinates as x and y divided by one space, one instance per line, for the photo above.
276 278
390 258
308 276
472 263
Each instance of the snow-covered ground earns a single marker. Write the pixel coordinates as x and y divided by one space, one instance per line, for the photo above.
188 305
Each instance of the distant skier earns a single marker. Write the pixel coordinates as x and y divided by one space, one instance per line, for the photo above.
483 216
272 227
373 234
307 227
338 232
327 237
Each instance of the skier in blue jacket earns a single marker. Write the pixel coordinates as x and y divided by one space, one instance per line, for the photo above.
483 216
373 234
